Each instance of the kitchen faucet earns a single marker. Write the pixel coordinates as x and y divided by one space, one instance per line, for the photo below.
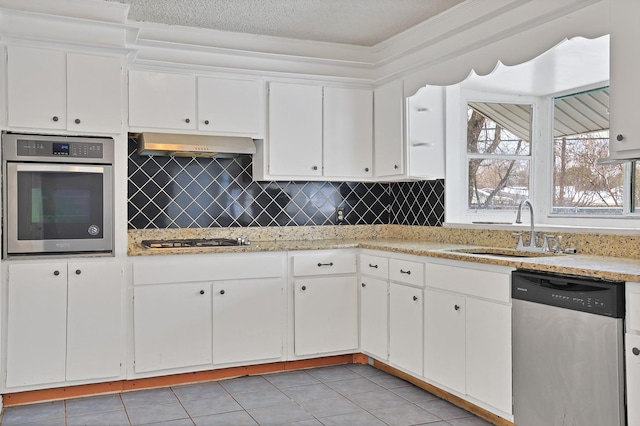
532 237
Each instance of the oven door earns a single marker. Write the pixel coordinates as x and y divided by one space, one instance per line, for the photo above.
54 208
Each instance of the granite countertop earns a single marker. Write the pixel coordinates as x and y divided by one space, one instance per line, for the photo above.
613 268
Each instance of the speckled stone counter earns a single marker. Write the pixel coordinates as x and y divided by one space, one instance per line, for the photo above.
599 254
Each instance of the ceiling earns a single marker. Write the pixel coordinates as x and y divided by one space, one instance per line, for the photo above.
356 22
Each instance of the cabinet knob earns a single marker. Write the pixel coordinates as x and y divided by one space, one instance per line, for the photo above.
366 169
619 138
78 271
77 121
456 307
55 118
405 272
56 273
363 285
304 287
201 291
415 298
635 351
221 291
395 166
315 167
187 120
206 122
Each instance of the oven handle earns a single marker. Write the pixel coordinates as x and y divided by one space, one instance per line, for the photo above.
30 167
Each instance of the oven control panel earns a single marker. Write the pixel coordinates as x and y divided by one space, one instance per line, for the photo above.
44 148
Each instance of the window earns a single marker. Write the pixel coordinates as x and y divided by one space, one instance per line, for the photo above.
581 136
498 155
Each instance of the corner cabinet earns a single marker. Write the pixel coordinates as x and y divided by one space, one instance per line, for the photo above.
317 133
63 322
624 90
186 102
58 90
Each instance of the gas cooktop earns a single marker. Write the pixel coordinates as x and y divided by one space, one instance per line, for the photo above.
195 242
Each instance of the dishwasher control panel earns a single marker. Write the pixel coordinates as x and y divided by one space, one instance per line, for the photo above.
577 293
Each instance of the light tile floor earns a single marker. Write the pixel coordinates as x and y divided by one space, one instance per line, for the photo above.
349 395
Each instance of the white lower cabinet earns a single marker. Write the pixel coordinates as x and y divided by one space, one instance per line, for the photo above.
326 315
172 326
374 317
405 327
632 355
63 322
247 320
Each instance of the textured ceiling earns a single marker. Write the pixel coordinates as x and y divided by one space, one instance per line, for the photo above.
358 22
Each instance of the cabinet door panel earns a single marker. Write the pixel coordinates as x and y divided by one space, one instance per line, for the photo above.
228 105
389 129
326 315
633 379
295 129
444 339
94 320
36 324
425 135
247 320
172 326
405 327
489 353
94 93
162 100
36 88
374 317
348 132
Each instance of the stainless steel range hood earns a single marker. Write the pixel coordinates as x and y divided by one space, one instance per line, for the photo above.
176 145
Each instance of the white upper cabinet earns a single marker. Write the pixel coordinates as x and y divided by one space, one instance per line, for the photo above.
389 129
229 106
348 132
224 106
624 91
295 130
56 90
425 133
317 133
161 100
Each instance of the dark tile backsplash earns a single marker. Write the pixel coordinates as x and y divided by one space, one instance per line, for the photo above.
181 192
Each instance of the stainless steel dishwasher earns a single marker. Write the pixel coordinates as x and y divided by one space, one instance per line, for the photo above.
567 350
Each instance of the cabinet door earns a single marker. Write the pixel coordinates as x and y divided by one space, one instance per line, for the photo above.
632 344
172 326
388 129
624 91
162 100
36 88
405 327
444 339
425 133
229 106
374 317
94 320
295 130
488 363
326 315
94 93
247 320
348 132
36 324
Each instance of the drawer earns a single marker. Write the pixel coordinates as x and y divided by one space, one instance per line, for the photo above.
473 282
405 271
374 266
324 263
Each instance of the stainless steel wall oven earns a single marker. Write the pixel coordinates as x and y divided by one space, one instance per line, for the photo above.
57 194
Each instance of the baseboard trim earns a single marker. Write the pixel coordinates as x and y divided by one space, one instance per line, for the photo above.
52 394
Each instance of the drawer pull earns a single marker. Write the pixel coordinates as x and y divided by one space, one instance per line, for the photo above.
635 351
320 265
405 272
373 266
456 307
201 291
415 298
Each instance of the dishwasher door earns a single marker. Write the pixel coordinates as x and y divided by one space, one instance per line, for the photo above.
567 367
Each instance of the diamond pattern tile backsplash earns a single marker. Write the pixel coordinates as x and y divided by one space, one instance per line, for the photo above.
181 192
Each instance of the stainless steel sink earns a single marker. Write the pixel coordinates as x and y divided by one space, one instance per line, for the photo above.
503 252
